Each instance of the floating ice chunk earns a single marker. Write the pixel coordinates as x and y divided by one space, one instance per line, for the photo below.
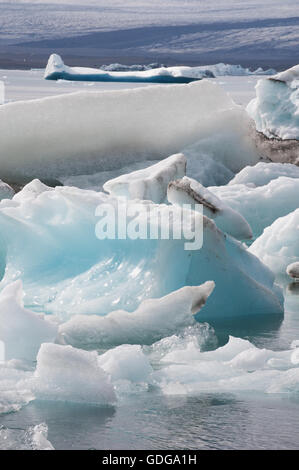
293 270
237 366
262 205
189 191
278 246
75 134
21 330
67 270
14 389
34 438
57 70
64 373
276 106
149 183
97 180
262 173
126 362
153 320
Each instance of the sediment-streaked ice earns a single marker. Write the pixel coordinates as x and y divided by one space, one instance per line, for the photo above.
33 438
293 269
189 191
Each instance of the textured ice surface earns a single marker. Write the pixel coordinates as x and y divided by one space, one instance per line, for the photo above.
278 246
15 392
149 183
33 438
237 366
261 205
293 270
189 191
75 133
57 70
154 319
67 270
21 330
64 373
276 106
262 173
6 192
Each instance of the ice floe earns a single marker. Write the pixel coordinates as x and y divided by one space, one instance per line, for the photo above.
293 270
278 246
21 330
153 320
261 205
57 70
276 106
64 373
189 191
262 173
66 269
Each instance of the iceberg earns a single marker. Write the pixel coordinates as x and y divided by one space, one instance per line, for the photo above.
261 205
189 191
278 246
57 70
74 134
276 106
262 173
149 183
6 191
21 330
64 373
67 270
154 319
238 366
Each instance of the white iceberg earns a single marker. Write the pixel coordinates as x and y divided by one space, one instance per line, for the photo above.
6 191
149 183
262 173
261 205
64 373
153 319
278 246
276 106
74 133
189 191
21 330
57 70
